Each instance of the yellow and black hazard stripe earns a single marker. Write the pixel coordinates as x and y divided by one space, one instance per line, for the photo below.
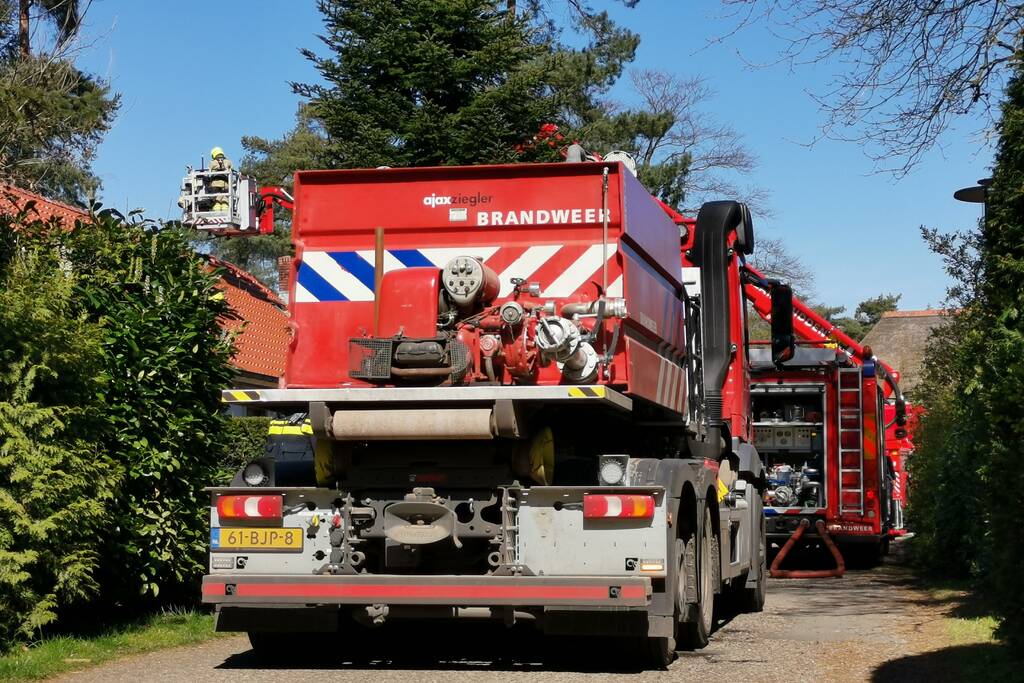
587 392
238 396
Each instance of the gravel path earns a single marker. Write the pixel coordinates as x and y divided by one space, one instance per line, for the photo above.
818 630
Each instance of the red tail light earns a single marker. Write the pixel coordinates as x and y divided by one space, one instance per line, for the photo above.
249 507
623 505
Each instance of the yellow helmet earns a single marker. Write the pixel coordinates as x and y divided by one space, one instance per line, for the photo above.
216 152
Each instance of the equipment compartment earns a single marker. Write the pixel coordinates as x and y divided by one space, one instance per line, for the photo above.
789 434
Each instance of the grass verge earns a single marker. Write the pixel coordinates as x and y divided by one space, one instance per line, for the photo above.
975 651
61 654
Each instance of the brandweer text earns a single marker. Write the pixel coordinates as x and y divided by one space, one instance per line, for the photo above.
541 217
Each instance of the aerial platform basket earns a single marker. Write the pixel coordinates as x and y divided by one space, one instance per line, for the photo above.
231 210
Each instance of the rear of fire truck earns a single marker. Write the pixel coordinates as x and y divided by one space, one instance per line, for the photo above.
824 423
820 426
520 409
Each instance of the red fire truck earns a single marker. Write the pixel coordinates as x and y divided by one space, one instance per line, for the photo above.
899 445
826 423
522 407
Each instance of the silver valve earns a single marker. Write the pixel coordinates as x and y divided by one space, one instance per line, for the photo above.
561 340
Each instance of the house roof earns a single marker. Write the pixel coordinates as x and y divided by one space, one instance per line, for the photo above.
12 198
900 338
263 341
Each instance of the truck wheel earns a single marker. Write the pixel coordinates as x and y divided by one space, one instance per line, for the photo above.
752 599
693 634
659 652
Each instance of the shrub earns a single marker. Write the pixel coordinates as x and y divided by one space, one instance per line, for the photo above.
110 416
246 441
56 487
969 483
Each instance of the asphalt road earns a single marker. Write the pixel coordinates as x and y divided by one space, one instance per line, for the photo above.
869 626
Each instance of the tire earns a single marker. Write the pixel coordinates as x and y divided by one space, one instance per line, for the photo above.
693 634
752 599
861 555
659 652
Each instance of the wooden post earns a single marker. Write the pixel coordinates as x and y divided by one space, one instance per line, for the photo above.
378 273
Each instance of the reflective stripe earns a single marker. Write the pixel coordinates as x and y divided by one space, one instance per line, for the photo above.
561 269
287 428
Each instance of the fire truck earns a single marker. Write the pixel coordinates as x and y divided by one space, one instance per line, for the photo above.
522 407
830 423
899 445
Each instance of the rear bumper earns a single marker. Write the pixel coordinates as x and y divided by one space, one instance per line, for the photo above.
462 591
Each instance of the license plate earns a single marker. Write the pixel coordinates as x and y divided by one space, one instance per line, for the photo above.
256 539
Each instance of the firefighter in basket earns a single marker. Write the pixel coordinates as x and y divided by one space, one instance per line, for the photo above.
218 183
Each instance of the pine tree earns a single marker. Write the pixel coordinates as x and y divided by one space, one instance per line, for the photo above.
52 115
428 82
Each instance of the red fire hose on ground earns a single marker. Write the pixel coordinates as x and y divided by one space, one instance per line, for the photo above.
805 524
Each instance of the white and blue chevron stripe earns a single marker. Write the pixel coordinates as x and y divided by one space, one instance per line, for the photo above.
348 275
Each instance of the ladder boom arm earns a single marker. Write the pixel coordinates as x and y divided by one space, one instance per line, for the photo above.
810 326
807 323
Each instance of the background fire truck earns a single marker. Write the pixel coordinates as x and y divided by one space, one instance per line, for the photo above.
831 426
522 407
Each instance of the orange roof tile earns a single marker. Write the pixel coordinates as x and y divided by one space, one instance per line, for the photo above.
263 342
12 198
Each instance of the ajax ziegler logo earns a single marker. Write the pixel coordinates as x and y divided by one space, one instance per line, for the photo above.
459 199
433 200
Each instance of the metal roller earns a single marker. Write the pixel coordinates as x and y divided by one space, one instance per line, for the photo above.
411 425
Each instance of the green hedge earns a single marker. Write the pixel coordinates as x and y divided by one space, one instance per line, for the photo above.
111 365
968 494
246 441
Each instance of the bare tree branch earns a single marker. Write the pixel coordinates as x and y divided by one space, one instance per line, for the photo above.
773 258
907 69
716 153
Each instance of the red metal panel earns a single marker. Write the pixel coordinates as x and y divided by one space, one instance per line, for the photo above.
655 378
408 302
654 308
539 222
524 195
649 228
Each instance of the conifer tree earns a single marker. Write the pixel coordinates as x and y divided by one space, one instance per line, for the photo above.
1001 368
427 82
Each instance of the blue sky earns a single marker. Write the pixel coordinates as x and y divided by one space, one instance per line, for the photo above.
196 74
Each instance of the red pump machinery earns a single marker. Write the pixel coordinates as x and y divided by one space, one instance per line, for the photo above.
522 407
